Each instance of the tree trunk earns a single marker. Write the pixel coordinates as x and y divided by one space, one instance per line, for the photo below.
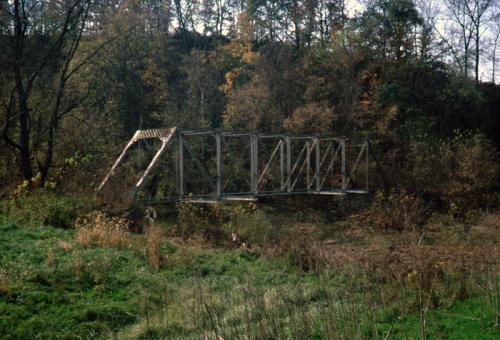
494 61
22 95
24 139
477 55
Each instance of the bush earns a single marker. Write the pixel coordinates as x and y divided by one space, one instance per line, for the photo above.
43 207
471 163
463 171
397 211
242 224
202 220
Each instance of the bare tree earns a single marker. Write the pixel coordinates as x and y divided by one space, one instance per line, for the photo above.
494 28
476 10
429 11
465 25
459 32
41 65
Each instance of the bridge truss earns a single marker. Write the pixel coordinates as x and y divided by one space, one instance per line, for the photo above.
172 164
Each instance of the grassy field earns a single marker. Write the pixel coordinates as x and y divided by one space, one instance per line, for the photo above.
52 286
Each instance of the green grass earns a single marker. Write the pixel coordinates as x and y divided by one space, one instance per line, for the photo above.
469 319
86 292
50 287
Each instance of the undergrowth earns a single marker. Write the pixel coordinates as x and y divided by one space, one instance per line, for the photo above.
51 285
45 207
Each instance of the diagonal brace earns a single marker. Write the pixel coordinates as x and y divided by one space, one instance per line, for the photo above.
198 164
165 141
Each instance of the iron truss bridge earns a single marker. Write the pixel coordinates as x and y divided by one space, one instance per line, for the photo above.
171 164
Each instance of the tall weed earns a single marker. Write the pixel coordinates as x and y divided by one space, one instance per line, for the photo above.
96 229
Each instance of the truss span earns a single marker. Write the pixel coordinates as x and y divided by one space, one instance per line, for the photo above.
172 164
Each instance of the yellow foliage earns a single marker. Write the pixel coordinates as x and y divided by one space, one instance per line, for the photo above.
312 118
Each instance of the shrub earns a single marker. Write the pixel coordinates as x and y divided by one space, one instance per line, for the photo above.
242 224
43 207
397 211
203 220
248 224
98 230
463 171
93 272
303 251
471 163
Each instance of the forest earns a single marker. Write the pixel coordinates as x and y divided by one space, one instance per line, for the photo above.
416 258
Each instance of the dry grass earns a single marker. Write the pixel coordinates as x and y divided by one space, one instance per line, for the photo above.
428 250
154 235
98 230
3 284
79 267
50 260
66 245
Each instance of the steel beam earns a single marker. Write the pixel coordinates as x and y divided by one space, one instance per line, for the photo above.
268 165
165 140
218 164
117 162
282 165
343 169
354 167
288 163
181 166
200 166
254 158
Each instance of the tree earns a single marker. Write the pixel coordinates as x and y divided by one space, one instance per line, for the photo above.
389 28
468 19
494 26
459 33
476 10
34 59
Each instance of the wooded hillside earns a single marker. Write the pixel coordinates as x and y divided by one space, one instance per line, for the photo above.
78 77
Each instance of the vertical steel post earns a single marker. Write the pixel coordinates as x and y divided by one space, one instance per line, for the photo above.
344 172
367 165
288 141
254 163
218 147
318 161
308 164
282 164
181 165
